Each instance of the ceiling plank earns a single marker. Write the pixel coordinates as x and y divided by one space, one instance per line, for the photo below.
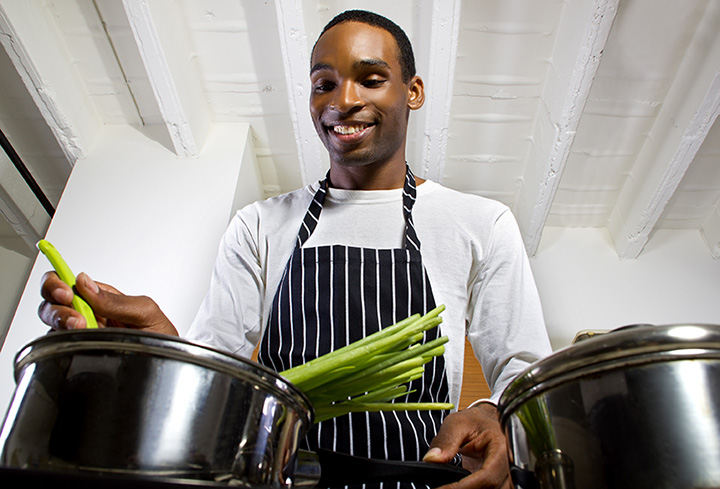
31 41
437 53
295 48
582 34
174 80
691 106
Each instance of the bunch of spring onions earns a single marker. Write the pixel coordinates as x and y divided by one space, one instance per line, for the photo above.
535 418
368 374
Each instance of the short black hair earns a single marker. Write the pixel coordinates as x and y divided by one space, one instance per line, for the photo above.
405 51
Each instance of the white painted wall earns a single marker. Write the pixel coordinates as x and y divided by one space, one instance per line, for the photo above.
584 285
138 217
15 269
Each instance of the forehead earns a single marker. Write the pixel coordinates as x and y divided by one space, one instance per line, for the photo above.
356 41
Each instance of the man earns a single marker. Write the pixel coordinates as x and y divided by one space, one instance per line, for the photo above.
375 244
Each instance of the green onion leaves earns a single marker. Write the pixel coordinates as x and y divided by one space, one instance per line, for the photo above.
368 374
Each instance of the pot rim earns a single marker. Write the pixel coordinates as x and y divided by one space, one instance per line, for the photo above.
120 340
627 346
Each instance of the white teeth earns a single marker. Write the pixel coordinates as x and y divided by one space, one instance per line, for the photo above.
348 129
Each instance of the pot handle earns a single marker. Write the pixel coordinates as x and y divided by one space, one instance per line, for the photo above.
339 469
307 470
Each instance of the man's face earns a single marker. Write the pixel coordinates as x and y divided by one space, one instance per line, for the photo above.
359 103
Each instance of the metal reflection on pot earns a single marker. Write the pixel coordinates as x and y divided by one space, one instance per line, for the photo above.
634 408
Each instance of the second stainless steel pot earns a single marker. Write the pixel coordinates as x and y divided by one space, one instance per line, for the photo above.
635 408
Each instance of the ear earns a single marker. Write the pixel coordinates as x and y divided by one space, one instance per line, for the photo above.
416 92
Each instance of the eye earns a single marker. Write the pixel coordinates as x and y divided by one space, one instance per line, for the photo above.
373 82
323 86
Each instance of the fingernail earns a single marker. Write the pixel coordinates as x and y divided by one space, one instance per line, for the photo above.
62 296
432 454
89 283
71 322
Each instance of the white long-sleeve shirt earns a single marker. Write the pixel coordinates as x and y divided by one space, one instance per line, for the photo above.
471 248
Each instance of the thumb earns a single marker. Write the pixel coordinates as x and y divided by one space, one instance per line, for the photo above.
438 455
106 301
120 310
86 286
444 446
89 290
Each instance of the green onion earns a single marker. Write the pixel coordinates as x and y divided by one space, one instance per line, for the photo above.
67 276
368 374
329 412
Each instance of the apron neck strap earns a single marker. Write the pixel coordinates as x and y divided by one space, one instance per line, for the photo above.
409 194
313 213
315 208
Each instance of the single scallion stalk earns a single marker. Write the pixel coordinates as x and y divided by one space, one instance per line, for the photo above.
67 276
349 407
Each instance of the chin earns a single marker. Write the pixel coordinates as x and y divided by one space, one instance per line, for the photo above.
353 163
352 159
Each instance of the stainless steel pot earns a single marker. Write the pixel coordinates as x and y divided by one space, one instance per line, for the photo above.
127 402
124 403
636 408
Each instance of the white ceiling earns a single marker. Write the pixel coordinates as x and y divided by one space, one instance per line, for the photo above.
591 113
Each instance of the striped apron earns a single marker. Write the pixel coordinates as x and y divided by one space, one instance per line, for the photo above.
330 296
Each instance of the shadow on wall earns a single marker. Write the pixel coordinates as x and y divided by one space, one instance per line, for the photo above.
15 266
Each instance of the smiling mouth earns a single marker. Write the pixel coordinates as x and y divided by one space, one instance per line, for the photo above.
350 129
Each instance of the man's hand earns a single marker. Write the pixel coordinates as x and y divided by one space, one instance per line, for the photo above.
111 307
475 433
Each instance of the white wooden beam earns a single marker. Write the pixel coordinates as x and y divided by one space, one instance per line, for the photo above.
583 33
436 56
690 108
168 62
296 58
31 41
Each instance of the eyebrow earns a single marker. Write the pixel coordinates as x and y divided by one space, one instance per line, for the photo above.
371 62
358 64
319 66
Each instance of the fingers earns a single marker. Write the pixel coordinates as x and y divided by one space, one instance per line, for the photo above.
475 433
56 310
60 317
55 290
486 458
111 307
482 479
458 429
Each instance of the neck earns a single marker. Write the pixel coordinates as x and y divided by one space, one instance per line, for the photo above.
375 176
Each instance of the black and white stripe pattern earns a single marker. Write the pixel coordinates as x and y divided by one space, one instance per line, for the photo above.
409 192
312 215
331 296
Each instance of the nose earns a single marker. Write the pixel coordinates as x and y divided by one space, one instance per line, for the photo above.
347 98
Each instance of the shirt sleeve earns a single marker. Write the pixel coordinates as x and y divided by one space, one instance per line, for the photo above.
230 316
506 325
